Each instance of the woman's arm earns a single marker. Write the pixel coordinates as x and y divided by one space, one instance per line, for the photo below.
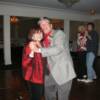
26 59
58 46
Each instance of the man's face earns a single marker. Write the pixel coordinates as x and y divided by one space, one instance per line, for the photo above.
89 27
46 26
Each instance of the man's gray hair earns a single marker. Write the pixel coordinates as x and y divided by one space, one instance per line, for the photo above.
44 19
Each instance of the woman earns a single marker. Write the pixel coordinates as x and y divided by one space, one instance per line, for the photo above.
81 49
32 65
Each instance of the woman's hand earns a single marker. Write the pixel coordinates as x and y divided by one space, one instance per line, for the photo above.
87 35
32 45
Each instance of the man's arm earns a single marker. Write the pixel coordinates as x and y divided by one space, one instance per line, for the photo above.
58 46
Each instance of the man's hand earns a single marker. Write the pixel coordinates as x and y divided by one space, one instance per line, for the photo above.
38 44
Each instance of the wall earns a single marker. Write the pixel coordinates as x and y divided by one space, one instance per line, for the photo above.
29 11
97 26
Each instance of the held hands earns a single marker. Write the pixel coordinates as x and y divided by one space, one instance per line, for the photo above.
33 46
87 35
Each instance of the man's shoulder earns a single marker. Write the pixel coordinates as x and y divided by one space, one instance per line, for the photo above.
95 33
59 32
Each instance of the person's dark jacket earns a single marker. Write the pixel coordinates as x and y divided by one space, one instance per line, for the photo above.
92 44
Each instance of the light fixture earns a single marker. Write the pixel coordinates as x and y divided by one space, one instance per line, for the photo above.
69 3
14 19
93 11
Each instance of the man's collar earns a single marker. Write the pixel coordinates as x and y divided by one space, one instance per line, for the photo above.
50 34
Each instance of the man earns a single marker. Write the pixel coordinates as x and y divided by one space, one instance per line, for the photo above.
92 48
59 79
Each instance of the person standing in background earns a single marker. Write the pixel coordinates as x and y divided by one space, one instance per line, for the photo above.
81 50
92 50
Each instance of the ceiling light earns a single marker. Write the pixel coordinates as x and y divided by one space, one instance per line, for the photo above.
69 3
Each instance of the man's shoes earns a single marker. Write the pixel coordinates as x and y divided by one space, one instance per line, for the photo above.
88 81
85 80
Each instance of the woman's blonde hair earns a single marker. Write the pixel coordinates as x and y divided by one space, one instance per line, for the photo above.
81 28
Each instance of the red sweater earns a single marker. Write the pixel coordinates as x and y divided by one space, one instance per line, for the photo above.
32 67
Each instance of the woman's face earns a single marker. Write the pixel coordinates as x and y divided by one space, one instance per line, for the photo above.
37 36
82 29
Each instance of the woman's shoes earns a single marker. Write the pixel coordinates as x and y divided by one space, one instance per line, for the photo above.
19 98
81 80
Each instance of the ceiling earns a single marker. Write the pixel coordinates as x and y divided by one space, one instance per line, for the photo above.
82 6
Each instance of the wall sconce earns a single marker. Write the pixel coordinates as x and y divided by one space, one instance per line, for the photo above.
14 19
92 12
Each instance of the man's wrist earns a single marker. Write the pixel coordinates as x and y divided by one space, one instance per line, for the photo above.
31 55
39 50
